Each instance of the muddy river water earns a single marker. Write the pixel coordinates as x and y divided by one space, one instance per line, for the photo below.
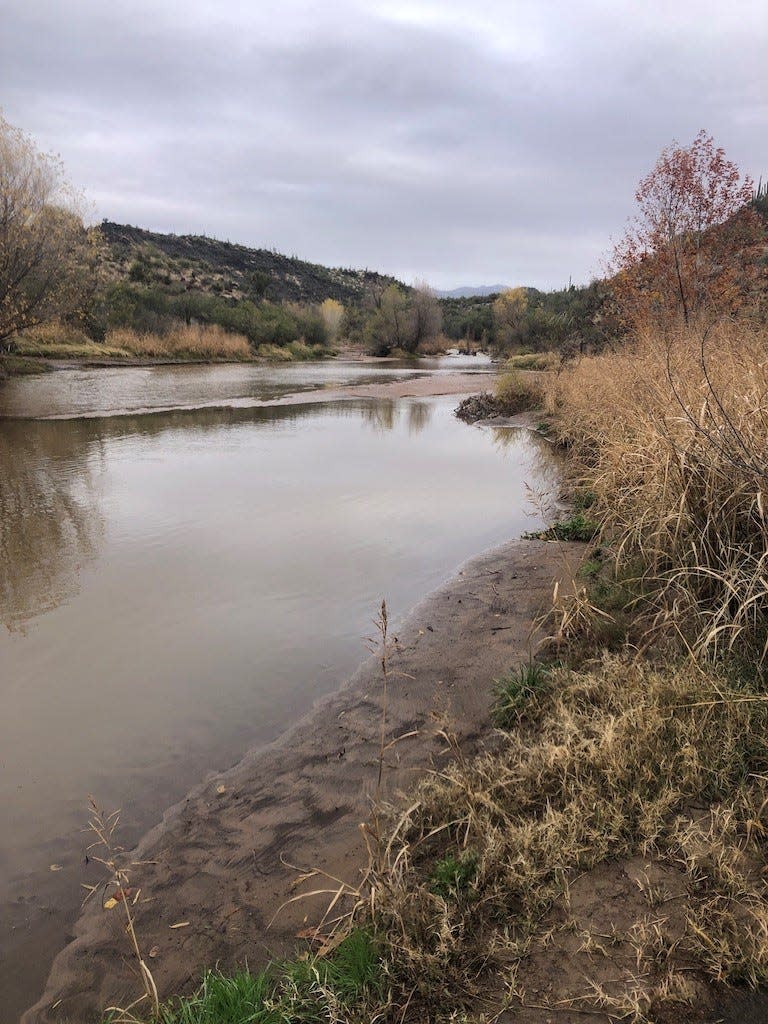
185 569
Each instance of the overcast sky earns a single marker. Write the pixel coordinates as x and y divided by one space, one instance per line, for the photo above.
462 143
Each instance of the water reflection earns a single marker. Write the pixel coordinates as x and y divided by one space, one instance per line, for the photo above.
51 523
418 416
380 415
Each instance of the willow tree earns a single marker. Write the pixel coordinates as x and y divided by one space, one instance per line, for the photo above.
46 253
694 245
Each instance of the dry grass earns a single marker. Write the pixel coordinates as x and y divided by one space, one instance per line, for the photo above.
204 341
183 342
669 434
57 341
517 391
603 764
534 361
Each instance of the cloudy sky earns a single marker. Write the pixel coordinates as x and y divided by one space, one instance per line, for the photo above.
462 143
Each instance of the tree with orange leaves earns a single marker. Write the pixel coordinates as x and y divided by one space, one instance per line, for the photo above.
694 247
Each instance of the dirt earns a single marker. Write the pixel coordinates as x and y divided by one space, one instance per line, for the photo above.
226 859
588 954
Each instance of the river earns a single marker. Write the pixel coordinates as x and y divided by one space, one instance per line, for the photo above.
189 560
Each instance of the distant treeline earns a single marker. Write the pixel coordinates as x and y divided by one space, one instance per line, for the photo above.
526 319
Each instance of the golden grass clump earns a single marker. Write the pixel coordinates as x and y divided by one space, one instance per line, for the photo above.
198 341
610 763
670 434
517 391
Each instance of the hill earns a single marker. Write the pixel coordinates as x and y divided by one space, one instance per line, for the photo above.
178 263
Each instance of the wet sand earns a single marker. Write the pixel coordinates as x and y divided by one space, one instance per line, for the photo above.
228 856
418 387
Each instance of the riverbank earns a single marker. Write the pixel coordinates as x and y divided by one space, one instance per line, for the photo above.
227 858
33 361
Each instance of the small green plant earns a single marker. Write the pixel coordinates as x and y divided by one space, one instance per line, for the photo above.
590 568
577 527
583 498
355 967
301 991
235 999
452 876
512 691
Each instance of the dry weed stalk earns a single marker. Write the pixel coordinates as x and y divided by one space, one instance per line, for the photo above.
378 849
113 857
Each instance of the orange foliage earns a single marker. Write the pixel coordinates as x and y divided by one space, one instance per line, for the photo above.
693 249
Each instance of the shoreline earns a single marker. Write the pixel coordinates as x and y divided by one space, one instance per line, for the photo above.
54 363
219 858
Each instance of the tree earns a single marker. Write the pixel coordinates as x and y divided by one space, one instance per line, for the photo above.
509 317
332 313
694 244
403 321
426 316
46 253
390 326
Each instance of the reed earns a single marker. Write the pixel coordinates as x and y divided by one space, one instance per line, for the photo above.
670 436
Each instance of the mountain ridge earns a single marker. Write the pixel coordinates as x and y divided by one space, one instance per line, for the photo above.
228 269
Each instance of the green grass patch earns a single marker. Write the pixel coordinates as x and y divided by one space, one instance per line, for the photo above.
301 991
576 527
452 876
513 691
240 998
589 568
583 498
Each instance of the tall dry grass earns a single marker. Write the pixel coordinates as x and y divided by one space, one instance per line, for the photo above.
671 435
199 341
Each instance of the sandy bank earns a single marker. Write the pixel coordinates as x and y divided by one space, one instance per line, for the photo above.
428 386
219 860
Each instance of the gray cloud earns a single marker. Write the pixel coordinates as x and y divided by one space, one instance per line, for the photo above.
495 142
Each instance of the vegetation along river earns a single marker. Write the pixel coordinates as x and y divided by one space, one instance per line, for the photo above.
189 560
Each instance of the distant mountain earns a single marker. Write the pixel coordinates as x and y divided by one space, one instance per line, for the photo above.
178 263
467 292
